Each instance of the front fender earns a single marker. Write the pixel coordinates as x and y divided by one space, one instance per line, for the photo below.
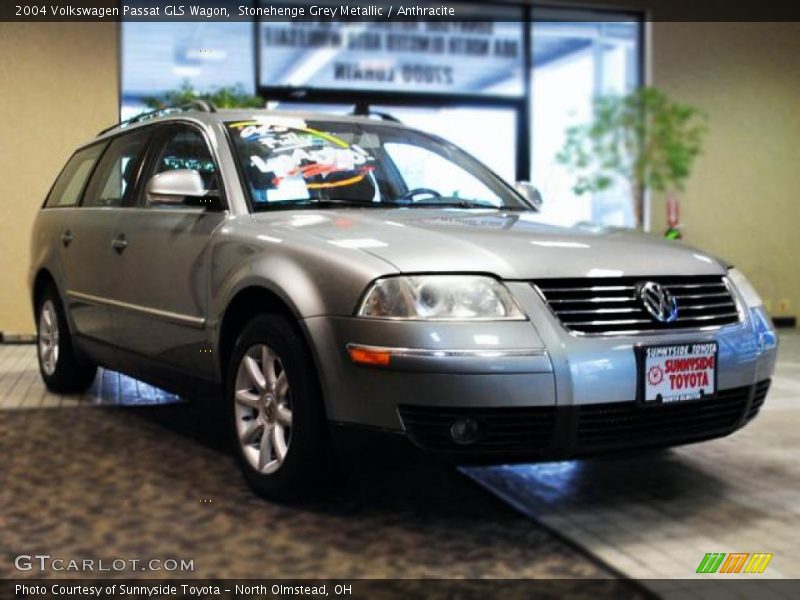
310 278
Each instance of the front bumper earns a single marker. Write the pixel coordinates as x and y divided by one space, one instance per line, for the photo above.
561 394
553 433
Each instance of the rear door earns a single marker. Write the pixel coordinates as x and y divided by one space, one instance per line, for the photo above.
164 267
91 279
55 224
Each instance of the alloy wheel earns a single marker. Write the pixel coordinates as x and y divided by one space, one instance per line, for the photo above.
263 409
48 337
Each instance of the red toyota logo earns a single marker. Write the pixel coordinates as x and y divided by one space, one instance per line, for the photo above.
655 375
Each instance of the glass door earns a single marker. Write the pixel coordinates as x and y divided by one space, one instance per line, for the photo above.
572 63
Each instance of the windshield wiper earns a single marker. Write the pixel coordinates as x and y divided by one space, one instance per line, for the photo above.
323 203
461 204
340 202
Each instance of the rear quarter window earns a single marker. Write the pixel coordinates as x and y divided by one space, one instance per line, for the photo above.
72 180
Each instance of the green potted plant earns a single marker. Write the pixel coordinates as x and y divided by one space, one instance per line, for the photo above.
222 97
644 138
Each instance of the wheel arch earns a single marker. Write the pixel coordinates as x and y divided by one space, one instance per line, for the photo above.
41 281
249 302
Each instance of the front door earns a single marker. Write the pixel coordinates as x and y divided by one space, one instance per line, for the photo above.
164 267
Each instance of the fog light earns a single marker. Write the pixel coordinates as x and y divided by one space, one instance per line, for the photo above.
464 431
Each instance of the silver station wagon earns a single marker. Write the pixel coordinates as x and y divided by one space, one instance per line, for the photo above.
342 285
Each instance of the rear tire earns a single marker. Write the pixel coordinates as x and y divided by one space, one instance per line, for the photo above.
275 412
63 370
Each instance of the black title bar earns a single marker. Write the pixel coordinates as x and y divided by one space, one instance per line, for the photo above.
390 10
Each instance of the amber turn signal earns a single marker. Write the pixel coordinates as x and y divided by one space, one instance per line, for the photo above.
366 356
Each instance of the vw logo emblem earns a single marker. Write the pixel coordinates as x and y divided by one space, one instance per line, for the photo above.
658 302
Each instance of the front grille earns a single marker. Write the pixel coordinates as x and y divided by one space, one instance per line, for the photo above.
762 387
501 430
611 305
629 424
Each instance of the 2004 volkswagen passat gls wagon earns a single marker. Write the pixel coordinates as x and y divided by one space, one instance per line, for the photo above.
341 283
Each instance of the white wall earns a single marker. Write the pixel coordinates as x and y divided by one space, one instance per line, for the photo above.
58 88
743 200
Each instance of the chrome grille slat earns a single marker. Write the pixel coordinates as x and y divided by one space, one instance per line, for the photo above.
707 317
609 322
724 294
596 288
611 306
707 306
692 286
597 299
600 311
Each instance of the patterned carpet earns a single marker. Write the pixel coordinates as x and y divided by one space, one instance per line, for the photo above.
155 482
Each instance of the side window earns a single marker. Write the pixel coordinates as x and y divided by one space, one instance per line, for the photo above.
184 147
114 175
70 183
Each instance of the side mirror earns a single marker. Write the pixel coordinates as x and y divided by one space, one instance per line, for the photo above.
181 186
528 191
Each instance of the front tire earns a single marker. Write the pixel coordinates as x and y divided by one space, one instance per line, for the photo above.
62 369
275 411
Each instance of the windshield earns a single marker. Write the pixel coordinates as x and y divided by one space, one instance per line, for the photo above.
289 162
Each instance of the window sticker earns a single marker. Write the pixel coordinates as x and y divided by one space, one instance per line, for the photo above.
294 154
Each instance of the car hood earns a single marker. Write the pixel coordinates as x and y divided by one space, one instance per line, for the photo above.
510 245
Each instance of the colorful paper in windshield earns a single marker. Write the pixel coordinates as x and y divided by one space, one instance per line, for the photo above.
294 159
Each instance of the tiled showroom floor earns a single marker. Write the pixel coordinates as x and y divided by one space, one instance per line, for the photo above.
131 481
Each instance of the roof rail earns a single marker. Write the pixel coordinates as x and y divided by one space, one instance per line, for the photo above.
196 105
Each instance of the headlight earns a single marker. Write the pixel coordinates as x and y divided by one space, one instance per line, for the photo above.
746 289
440 297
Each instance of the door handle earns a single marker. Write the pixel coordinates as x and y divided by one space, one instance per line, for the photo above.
120 243
66 238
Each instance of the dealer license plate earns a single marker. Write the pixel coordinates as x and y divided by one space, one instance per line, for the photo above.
679 372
